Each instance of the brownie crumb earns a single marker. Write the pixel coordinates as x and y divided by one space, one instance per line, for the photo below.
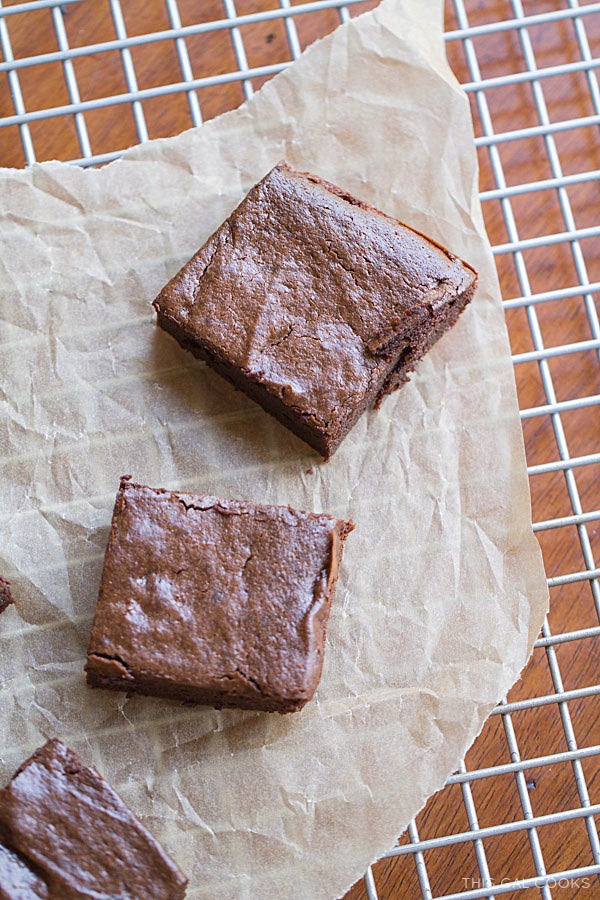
6 597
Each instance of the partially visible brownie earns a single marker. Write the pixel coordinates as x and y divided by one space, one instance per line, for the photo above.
214 601
314 303
5 594
65 834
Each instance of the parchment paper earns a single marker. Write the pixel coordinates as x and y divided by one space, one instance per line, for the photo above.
442 591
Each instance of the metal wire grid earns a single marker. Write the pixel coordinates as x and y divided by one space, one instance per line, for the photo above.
232 22
520 24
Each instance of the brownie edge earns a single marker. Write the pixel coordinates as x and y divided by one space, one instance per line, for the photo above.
64 833
214 601
314 303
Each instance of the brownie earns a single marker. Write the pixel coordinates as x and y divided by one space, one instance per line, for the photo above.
5 594
214 601
65 834
314 303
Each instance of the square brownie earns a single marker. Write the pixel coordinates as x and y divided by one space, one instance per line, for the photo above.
65 833
314 303
214 601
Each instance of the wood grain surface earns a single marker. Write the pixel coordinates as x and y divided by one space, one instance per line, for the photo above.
539 731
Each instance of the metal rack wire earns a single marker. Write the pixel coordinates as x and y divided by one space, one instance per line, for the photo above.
470 23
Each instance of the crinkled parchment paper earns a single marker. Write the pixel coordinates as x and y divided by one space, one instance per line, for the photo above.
442 591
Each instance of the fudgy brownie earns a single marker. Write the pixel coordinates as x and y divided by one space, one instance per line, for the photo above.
314 303
214 601
65 834
5 594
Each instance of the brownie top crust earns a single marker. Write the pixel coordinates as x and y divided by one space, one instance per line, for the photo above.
65 834
311 292
219 596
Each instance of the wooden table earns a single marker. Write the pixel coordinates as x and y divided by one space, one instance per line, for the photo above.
563 320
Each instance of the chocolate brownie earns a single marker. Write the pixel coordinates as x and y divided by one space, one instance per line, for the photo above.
5 594
214 601
65 834
314 303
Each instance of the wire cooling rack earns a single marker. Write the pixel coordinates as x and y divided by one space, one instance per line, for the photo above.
518 818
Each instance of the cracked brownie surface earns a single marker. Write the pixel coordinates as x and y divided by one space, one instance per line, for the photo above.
314 303
214 601
64 833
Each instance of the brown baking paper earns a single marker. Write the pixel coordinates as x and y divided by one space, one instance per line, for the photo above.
442 590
